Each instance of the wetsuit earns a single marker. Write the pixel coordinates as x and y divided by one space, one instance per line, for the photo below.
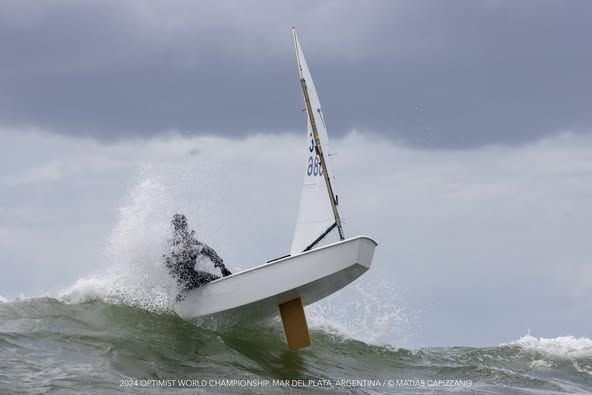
184 252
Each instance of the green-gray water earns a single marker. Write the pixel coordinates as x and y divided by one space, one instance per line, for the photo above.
47 346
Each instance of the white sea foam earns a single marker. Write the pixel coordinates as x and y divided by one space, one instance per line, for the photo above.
568 347
540 364
3 299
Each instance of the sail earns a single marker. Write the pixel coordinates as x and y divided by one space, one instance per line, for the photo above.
317 213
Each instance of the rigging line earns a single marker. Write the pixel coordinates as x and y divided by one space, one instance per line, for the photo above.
321 237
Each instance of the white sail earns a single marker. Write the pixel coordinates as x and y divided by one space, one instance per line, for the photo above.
317 214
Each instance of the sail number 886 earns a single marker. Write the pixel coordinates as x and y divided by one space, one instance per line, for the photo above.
314 166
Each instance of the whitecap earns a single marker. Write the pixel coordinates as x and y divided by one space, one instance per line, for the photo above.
568 347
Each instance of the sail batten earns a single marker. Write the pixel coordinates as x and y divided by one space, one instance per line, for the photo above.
317 214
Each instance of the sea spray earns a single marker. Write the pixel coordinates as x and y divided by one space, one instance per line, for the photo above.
135 275
368 310
134 272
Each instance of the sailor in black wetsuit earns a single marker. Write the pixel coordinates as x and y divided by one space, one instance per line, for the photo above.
184 252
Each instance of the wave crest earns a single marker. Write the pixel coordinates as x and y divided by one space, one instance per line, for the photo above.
568 347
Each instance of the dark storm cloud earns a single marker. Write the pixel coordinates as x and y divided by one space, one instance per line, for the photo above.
440 74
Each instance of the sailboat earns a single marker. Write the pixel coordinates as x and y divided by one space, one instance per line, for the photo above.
315 268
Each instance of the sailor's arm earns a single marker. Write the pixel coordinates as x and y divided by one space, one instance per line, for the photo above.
218 262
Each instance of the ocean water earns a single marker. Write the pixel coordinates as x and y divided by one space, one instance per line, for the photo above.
50 346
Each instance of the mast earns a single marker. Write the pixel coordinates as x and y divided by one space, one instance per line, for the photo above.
318 147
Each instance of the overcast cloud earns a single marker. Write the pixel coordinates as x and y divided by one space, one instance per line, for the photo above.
437 74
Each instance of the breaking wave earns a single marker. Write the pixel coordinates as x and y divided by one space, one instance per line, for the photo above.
560 347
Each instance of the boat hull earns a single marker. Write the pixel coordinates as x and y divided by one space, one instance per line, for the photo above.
310 276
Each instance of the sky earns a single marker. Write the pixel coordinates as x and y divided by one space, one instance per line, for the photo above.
435 74
462 134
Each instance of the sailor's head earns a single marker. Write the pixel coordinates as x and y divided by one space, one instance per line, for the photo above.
179 222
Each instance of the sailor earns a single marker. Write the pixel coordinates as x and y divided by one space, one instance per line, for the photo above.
191 262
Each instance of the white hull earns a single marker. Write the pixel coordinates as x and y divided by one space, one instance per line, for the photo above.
255 292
